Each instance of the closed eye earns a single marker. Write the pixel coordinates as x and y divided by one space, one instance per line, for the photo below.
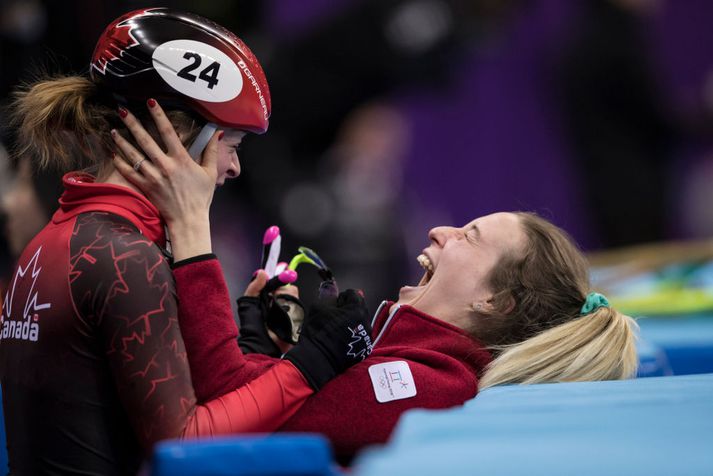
473 233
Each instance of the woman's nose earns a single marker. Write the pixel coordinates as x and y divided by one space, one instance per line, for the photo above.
234 169
440 234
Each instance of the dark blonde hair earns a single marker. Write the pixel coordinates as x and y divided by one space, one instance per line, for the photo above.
65 123
536 329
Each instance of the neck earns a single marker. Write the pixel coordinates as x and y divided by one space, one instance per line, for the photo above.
459 316
115 178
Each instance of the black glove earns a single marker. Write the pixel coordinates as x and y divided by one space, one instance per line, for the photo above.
334 337
253 338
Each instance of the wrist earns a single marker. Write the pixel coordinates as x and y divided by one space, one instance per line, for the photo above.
193 259
189 237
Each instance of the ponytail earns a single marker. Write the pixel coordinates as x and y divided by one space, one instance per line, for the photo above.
545 325
65 123
596 346
59 125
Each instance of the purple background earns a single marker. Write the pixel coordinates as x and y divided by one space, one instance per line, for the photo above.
495 140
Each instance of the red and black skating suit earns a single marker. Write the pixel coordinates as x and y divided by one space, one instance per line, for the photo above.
93 365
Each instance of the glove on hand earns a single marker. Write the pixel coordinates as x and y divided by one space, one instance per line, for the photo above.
253 338
334 337
282 314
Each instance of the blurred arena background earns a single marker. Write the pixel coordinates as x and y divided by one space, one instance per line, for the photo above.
392 116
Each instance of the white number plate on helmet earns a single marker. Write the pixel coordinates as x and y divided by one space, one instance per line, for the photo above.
198 70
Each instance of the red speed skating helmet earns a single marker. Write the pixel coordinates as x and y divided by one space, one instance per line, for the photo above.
183 59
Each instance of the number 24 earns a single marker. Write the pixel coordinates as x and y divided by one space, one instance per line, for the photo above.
209 74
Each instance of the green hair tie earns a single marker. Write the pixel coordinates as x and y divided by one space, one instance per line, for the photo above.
593 302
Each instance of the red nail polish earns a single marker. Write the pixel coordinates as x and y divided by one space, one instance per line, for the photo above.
151 102
220 135
360 292
123 112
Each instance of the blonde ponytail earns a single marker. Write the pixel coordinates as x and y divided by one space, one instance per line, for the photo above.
535 328
58 126
596 346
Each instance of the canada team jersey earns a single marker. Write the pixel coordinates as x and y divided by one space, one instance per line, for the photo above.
89 331
93 366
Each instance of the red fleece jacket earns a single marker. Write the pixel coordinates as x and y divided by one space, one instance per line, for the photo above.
444 363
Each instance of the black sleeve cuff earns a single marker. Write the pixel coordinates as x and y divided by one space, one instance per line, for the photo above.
193 259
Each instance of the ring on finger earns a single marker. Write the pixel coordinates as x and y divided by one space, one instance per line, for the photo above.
137 165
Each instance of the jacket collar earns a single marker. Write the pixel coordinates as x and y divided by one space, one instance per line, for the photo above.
403 325
381 316
82 194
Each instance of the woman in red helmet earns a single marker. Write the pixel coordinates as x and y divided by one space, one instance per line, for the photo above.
93 365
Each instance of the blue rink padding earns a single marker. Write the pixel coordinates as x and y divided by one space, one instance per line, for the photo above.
648 427
687 341
255 455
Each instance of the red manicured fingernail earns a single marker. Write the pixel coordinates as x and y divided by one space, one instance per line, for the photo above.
151 102
123 112
220 135
360 292
256 272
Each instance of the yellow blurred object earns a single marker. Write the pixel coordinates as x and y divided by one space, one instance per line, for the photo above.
667 302
656 279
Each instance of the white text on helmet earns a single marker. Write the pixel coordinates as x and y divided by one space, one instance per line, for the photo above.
252 79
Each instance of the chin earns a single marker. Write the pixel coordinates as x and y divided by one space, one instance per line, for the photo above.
409 294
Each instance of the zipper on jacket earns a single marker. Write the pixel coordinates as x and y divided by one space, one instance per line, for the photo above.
378 311
393 310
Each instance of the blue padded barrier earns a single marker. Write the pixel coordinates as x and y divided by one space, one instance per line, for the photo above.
653 361
255 455
687 341
653 426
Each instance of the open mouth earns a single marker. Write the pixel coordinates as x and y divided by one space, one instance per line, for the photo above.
427 265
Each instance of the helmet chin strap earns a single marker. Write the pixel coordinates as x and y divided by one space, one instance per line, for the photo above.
196 149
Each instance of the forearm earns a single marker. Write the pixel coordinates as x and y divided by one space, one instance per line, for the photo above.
262 405
209 330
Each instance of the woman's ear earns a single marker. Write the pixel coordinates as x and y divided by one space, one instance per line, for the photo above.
509 304
489 305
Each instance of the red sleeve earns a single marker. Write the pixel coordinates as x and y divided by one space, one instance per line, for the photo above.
261 406
210 333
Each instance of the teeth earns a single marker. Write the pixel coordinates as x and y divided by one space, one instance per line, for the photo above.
425 263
